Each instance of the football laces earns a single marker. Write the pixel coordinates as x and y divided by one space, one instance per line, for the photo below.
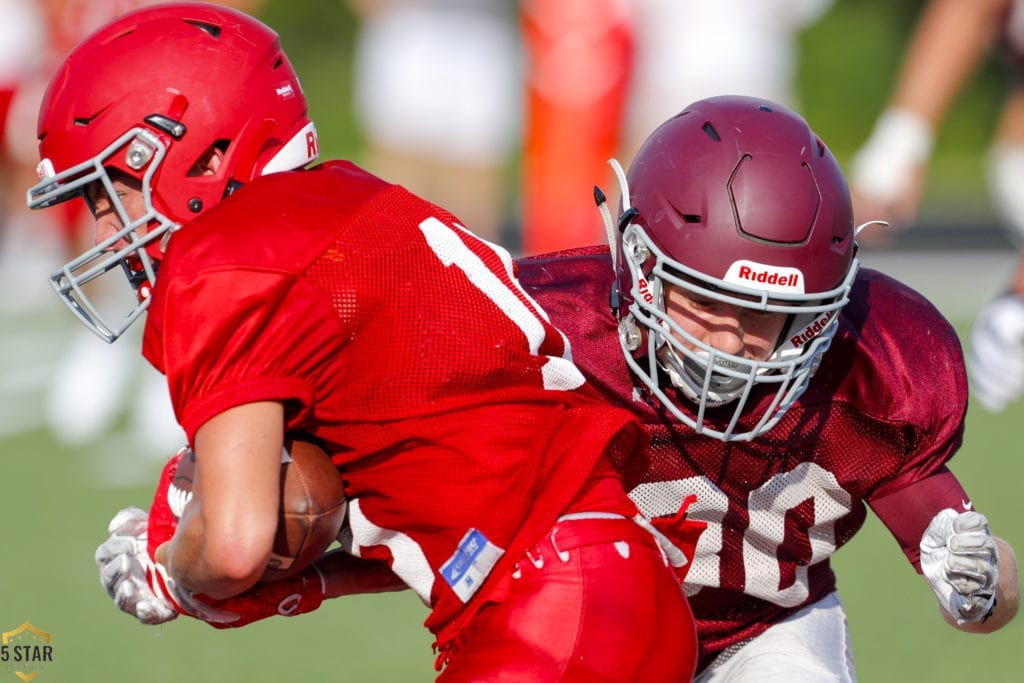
177 499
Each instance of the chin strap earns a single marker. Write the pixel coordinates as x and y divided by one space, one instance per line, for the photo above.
859 228
628 214
627 217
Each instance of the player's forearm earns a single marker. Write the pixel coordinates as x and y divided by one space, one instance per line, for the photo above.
948 44
226 533
346 574
187 560
1008 589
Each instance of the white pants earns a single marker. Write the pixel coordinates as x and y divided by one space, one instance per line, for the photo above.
811 646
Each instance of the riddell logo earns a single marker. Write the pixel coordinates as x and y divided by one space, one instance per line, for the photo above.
812 330
312 145
45 169
645 291
772 278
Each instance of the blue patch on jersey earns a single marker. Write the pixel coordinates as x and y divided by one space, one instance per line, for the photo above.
467 568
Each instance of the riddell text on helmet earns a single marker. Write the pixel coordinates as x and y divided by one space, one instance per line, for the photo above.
770 277
645 290
812 330
776 278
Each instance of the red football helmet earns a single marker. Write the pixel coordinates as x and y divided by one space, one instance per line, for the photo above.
735 199
151 94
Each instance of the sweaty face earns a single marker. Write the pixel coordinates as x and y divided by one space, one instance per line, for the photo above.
727 327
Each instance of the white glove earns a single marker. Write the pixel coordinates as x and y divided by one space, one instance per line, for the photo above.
995 362
140 586
961 563
123 564
884 168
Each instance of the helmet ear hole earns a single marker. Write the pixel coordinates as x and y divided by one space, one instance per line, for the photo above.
209 162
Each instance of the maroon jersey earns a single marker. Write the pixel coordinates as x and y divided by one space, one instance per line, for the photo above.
403 345
881 417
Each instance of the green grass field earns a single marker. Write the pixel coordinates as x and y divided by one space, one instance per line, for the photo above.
53 513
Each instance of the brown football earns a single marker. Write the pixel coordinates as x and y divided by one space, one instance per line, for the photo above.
312 506
312 509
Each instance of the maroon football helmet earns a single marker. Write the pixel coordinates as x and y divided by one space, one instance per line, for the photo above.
735 199
149 95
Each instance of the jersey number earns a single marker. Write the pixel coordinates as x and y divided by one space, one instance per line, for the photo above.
767 507
446 241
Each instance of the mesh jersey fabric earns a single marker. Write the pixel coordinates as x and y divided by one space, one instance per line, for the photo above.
402 345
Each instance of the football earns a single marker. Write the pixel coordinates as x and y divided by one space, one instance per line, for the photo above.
311 511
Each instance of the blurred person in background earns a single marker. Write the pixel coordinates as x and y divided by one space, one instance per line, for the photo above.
889 171
437 95
598 75
601 74
23 35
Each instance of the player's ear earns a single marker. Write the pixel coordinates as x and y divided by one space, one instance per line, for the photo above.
209 163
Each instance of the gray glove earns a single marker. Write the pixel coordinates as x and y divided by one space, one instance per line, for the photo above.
138 585
124 563
961 563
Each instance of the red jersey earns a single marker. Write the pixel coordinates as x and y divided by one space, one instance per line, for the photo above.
403 345
880 418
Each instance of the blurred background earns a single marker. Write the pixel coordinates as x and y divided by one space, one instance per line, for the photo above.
454 101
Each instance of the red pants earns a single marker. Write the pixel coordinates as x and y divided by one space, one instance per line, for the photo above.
594 602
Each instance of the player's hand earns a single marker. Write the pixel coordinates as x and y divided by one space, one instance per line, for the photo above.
140 586
995 361
137 583
295 595
960 561
123 563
